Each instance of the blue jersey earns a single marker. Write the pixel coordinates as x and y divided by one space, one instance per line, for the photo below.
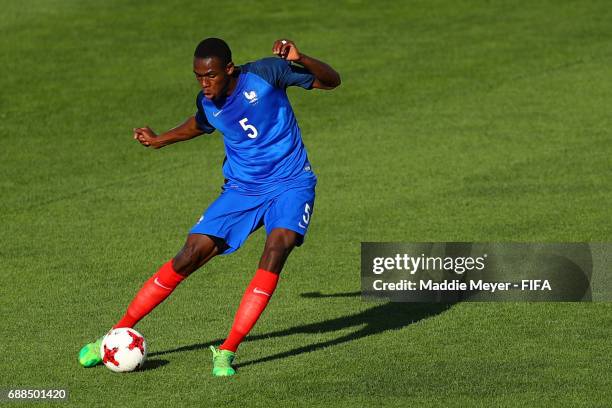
263 143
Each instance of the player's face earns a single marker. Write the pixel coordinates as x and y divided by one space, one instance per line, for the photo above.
213 77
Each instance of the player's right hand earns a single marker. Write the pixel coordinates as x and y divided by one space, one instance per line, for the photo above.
146 136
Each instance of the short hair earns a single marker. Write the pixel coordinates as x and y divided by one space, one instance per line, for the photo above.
214 47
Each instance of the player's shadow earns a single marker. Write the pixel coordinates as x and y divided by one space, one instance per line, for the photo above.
374 320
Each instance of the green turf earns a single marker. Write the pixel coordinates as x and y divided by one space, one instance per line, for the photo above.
456 120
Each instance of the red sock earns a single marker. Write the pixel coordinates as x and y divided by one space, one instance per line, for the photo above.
152 293
253 303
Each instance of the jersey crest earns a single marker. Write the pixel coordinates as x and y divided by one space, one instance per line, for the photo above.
251 96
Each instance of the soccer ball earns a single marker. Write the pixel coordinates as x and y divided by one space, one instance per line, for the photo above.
123 350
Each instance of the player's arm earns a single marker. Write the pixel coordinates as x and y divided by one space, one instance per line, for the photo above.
185 131
325 76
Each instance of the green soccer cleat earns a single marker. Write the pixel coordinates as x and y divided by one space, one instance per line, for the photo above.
89 356
222 362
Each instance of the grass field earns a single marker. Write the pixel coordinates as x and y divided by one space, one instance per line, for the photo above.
456 120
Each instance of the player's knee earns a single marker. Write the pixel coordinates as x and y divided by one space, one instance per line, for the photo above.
279 247
190 258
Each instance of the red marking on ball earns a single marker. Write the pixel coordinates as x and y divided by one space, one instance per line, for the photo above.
137 341
109 355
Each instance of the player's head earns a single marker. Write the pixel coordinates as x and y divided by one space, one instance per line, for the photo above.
213 67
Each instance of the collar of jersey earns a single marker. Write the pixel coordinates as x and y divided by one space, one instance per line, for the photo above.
230 98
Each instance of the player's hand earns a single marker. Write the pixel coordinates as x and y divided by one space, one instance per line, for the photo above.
145 136
286 49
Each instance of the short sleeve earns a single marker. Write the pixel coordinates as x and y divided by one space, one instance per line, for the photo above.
280 73
200 116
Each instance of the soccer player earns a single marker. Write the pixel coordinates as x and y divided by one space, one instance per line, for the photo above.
269 180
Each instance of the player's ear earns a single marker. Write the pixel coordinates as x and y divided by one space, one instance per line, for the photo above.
229 69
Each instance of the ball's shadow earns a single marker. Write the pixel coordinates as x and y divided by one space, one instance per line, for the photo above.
153 364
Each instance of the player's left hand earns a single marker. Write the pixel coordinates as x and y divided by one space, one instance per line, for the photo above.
286 49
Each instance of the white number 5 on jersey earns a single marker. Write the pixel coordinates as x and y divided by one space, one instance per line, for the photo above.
250 129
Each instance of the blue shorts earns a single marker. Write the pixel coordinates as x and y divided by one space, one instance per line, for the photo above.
235 215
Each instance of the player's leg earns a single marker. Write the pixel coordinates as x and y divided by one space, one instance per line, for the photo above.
287 220
198 250
278 246
222 229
